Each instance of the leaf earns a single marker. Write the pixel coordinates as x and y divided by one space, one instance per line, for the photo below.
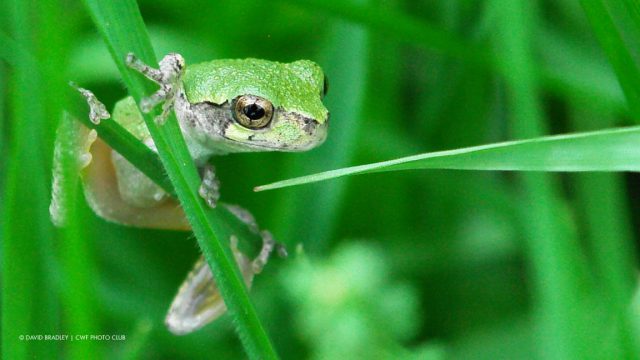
123 30
613 45
605 150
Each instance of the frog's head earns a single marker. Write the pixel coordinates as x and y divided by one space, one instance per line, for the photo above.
255 105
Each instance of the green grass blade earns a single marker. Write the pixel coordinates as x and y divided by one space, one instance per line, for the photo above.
609 232
633 10
77 290
573 70
613 45
553 254
137 342
26 233
123 30
402 27
345 65
405 28
605 150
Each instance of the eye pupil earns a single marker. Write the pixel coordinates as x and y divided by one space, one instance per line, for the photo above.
253 111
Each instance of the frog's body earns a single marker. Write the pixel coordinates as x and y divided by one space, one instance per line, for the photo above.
222 106
206 105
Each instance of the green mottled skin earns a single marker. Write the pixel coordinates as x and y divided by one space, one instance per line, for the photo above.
295 87
295 90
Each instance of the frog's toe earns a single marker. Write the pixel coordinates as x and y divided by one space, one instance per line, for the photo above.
97 110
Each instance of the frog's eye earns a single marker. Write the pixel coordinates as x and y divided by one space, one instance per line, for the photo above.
325 86
252 111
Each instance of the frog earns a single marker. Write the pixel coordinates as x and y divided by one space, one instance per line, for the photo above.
222 106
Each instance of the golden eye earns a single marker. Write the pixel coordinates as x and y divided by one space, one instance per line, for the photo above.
252 112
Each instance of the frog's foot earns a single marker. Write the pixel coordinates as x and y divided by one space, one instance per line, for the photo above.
97 110
245 216
198 301
168 76
268 245
281 250
268 242
210 187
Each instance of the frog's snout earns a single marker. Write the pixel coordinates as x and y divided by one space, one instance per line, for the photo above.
316 131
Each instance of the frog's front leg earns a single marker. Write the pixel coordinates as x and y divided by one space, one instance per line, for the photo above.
168 76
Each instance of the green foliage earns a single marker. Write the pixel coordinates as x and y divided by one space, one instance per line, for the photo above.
396 264
124 32
333 307
605 150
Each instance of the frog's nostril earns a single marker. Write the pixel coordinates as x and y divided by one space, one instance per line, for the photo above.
309 126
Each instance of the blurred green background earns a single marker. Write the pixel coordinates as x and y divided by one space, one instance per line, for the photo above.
424 264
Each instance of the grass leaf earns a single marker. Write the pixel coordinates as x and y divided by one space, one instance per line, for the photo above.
347 69
402 27
605 150
613 45
122 28
553 254
27 304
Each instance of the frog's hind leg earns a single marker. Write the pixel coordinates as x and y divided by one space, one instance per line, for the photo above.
114 189
104 197
198 301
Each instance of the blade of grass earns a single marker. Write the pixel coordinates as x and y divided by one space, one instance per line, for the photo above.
74 288
345 63
26 229
77 289
402 27
576 72
609 233
76 283
553 253
614 47
3 124
633 10
407 29
605 150
123 30
138 340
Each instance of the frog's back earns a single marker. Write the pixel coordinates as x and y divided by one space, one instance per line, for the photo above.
295 86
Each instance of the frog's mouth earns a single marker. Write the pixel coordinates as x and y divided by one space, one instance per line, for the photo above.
311 134
306 134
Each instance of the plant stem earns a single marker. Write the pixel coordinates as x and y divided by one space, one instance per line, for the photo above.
123 30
